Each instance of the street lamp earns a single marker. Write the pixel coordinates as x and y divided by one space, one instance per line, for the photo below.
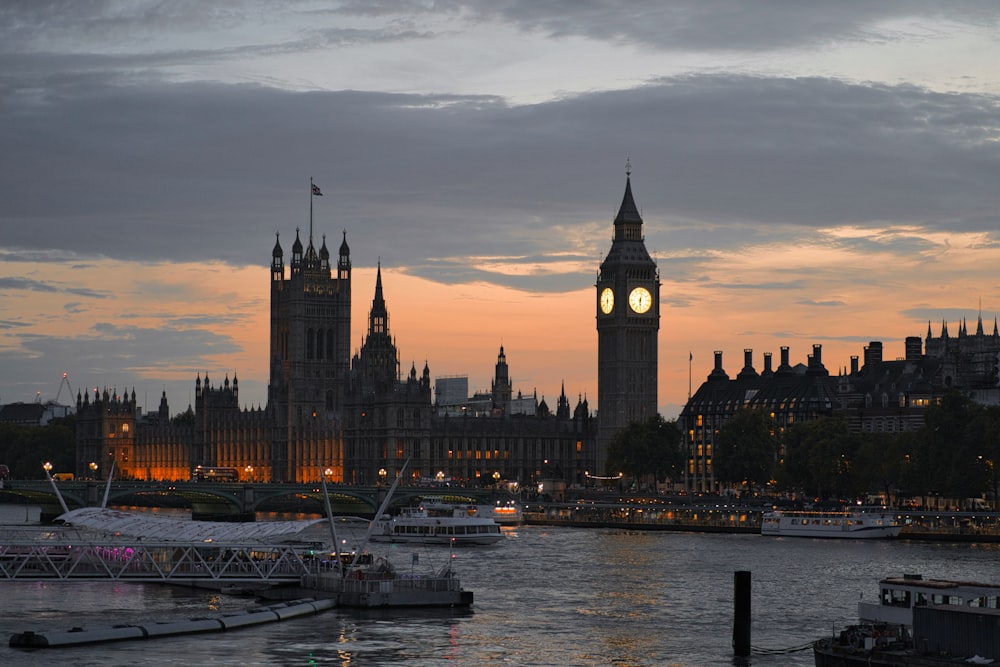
381 475
249 472
48 469
93 469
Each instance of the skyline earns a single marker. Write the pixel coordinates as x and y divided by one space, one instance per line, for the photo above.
805 175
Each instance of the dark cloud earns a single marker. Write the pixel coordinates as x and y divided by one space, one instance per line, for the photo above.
109 353
12 283
208 171
681 24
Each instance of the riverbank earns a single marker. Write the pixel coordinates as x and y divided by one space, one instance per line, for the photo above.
916 525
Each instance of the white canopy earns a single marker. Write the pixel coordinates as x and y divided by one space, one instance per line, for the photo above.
152 527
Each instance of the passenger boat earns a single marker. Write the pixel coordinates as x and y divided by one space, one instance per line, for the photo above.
374 583
505 513
437 524
854 524
919 622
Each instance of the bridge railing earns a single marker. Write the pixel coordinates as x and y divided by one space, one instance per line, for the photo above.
137 560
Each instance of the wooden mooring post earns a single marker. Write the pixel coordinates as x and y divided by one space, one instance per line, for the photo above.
741 614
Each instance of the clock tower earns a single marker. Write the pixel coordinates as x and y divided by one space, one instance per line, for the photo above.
628 323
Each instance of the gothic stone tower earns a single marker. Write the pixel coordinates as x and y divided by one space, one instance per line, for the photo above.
386 420
628 321
310 343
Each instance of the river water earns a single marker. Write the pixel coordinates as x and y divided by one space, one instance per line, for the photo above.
544 596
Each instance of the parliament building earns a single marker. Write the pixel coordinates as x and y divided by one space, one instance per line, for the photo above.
357 420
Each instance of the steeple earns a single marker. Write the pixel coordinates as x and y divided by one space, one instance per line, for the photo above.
378 319
628 222
296 254
501 389
277 260
344 261
562 406
324 257
378 361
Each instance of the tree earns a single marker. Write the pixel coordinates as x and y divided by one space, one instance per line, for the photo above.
988 430
948 449
25 448
820 458
883 464
746 449
649 450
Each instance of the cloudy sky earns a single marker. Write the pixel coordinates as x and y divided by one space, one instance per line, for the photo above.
807 172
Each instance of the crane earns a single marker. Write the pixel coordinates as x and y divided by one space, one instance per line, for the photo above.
65 381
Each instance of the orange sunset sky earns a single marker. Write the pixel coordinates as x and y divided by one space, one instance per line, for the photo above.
806 175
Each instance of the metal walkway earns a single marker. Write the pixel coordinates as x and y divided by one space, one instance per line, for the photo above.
63 557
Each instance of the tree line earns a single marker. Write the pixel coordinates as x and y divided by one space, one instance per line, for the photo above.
24 449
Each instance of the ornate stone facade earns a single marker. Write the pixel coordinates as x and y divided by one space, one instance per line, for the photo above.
878 396
353 420
628 323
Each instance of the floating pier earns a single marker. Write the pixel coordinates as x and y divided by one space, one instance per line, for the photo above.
250 617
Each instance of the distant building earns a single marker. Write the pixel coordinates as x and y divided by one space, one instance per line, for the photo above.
33 414
880 396
451 393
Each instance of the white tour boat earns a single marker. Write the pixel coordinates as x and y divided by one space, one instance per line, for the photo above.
854 524
506 513
437 524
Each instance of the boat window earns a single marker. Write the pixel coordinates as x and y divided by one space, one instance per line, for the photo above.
895 598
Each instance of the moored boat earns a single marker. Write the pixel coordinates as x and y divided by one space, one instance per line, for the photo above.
436 524
919 622
853 524
505 513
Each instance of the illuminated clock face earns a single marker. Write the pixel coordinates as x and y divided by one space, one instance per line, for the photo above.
607 300
640 300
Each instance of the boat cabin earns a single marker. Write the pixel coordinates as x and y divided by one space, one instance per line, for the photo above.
899 595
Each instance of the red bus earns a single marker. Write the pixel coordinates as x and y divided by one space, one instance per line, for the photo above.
214 474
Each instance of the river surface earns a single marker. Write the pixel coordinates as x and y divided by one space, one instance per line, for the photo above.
543 596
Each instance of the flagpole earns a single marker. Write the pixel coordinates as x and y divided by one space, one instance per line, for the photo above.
690 359
310 210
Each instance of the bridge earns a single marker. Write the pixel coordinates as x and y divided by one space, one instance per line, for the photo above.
209 565
228 500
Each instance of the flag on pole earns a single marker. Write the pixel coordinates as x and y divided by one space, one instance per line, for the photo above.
316 191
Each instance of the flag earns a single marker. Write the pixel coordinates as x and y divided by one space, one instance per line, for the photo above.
690 356
316 191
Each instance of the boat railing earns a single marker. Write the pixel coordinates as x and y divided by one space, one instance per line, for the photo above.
334 583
